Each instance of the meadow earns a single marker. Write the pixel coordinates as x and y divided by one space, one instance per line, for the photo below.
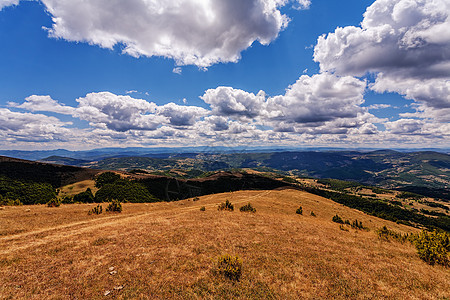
169 250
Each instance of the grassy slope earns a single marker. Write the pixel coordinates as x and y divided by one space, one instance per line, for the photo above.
164 250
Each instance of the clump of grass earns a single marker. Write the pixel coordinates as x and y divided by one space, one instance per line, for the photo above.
342 227
54 203
358 225
114 206
386 234
433 247
299 211
226 206
9 202
202 208
96 210
313 214
229 266
337 219
248 208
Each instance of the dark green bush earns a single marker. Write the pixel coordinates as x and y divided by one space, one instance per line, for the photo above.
337 219
202 208
248 208
313 214
226 206
114 206
229 266
84 197
106 178
299 211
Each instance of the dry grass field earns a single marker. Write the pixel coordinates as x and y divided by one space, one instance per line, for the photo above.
168 250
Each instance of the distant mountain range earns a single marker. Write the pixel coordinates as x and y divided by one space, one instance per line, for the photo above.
165 152
426 172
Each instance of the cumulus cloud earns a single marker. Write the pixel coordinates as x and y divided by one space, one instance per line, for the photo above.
317 99
119 113
404 38
191 32
406 44
434 92
43 103
31 127
418 127
319 103
181 115
5 3
227 101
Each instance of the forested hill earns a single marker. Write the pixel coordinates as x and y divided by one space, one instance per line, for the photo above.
426 170
56 175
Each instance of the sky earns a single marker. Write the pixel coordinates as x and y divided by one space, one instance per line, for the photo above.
81 75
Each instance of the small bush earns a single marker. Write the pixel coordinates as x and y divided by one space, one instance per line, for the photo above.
202 208
337 219
313 214
347 222
196 199
299 211
96 210
229 266
226 206
248 208
54 203
114 206
433 247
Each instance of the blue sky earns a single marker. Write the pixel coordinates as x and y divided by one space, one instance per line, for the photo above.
190 73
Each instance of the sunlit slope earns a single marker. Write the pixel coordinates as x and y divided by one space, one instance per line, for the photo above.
166 250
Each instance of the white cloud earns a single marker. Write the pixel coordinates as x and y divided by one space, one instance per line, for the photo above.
181 115
177 70
317 99
434 92
119 113
5 3
418 127
379 106
403 38
191 32
227 101
28 127
406 44
43 103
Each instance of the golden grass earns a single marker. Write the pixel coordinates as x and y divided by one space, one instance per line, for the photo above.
168 250
78 187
